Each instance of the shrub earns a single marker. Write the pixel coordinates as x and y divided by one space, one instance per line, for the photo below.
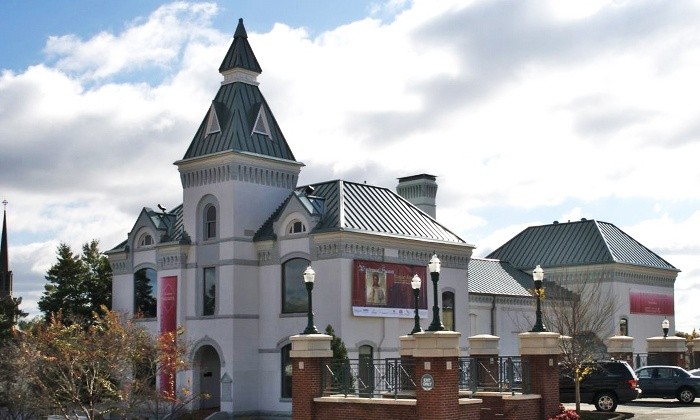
565 414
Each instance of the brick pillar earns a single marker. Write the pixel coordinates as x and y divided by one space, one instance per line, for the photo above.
540 352
308 352
621 347
666 351
484 348
436 373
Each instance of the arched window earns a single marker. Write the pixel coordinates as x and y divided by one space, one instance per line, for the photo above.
448 310
146 240
145 293
294 296
296 227
286 372
209 222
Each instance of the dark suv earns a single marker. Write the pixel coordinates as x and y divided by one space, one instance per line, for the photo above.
609 383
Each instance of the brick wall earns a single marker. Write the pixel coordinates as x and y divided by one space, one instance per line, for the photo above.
306 386
364 410
544 380
514 409
441 402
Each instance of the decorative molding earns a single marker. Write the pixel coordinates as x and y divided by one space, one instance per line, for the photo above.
238 172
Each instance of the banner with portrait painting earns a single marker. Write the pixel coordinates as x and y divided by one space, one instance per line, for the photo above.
382 289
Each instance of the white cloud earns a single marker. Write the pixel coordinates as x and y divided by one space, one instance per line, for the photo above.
512 108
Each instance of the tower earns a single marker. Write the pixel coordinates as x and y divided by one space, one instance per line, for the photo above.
5 273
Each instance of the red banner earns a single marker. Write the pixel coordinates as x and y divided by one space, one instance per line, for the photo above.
651 303
167 318
384 289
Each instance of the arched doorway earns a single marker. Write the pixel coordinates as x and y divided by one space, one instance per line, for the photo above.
208 371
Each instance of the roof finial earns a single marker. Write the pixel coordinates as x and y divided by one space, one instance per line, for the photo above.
240 30
4 204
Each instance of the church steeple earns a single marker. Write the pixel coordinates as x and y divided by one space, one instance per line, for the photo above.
240 64
5 273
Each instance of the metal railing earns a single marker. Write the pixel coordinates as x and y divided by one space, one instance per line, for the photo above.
387 378
502 374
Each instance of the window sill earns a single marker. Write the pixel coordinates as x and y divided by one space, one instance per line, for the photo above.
293 315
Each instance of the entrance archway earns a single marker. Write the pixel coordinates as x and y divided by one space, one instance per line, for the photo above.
208 371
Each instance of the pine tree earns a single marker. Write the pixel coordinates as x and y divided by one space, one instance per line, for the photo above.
77 286
9 315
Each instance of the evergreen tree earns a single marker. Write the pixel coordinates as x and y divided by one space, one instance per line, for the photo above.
77 285
9 315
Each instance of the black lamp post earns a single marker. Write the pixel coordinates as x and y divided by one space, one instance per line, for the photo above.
537 276
434 267
664 326
415 285
309 277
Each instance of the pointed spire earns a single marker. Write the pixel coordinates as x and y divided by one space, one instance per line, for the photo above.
240 55
5 273
240 30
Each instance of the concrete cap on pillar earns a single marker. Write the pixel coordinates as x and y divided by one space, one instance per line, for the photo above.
311 346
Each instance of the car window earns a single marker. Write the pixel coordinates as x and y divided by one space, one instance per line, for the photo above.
644 373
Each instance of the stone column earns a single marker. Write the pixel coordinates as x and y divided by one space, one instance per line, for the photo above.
621 347
307 354
436 373
483 348
666 351
540 352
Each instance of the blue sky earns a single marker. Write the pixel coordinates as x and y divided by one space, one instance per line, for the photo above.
527 111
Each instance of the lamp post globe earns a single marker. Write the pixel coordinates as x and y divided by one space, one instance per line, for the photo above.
309 278
664 326
537 277
415 285
434 268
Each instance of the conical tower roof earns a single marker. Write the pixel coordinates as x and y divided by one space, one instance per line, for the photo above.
239 118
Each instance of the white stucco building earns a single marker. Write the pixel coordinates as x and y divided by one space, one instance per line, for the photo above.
227 264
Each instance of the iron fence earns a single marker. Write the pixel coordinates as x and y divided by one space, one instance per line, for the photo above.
386 378
502 374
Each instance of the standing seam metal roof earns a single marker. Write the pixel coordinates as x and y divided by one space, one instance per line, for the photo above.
365 208
237 106
375 209
496 277
576 243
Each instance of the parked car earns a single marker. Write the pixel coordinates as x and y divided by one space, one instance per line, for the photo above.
668 382
610 383
694 372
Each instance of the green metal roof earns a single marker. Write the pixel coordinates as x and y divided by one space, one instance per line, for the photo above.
170 225
237 106
357 207
240 54
583 242
494 277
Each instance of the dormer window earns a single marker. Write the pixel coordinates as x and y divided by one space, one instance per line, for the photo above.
296 227
145 240
213 125
261 126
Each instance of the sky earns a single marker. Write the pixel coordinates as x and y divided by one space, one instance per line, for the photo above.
526 111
